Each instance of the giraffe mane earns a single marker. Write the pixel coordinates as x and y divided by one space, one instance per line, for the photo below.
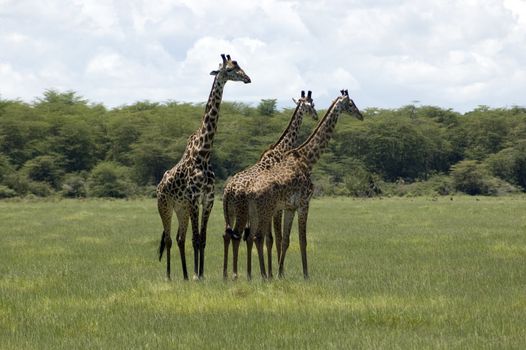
315 131
284 132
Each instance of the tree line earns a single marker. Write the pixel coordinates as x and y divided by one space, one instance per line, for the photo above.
63 145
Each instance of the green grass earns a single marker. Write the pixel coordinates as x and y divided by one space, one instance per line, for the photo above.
391 273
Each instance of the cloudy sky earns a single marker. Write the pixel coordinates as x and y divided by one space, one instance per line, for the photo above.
450 53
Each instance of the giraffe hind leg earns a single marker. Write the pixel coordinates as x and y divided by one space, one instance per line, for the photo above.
246 233
162 245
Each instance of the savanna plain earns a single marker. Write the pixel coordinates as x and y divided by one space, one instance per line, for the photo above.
409 273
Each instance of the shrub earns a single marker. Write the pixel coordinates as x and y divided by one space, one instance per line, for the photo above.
362 183
74 186
17 182
437 185
44 169
109 179
5 167
6 192
473 178
470 177
510 164
40 189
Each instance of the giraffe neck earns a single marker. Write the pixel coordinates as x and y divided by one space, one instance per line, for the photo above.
288 139
205 134
318 141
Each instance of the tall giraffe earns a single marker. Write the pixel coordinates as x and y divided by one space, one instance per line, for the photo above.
235 205
287 186
191 181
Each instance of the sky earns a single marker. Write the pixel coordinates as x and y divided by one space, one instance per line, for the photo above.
455 54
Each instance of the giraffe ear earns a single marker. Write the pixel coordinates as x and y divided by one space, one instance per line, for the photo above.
214 72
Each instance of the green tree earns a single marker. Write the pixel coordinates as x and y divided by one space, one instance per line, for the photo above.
267 107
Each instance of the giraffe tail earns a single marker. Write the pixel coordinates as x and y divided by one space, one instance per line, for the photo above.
162 246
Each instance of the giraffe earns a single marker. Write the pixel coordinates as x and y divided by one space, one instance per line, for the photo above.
235 206
190 182
287 186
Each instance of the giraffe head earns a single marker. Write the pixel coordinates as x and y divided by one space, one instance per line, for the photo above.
306 104
348 105
230 70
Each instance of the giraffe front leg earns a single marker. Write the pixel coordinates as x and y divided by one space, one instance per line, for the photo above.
250 242
241 223
269 240
287 227
208 204
194 219
259 237
235 253
302 230
277 219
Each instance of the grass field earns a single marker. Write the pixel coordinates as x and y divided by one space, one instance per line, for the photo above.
390 273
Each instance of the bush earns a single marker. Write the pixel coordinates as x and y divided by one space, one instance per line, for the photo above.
17 182
362 183
44 169
6 192
473 178
40 189
74 186
510 164
5 167
109 179
437 185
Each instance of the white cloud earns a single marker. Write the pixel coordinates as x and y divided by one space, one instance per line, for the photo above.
454 53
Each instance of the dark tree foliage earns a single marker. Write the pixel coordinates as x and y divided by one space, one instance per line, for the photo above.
63 144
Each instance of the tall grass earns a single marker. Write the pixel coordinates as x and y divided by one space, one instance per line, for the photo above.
385 273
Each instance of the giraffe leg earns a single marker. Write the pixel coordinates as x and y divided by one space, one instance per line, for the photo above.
250 242
287 227
259 246
207 208
182 218
277 219
226 240
269 240
194 219
241 222
235 253
228 214
302 230
165 212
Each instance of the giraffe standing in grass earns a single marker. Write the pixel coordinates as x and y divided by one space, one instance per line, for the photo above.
235 205
190 183
287 186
